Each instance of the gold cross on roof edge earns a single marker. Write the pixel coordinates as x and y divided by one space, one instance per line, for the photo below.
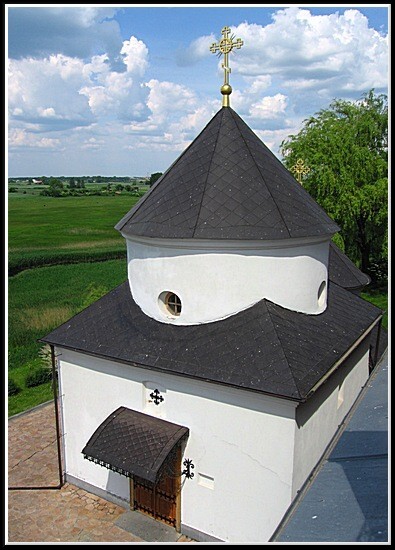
225 46
300 169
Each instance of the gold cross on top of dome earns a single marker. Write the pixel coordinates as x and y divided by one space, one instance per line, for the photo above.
225 46
300 169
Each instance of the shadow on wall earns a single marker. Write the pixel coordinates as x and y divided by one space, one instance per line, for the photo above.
118 486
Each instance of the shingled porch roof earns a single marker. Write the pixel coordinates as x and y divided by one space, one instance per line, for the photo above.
133 443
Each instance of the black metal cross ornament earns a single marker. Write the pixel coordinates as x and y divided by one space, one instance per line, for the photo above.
188 467
156 397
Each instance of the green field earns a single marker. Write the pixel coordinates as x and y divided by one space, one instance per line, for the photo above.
41 299
37 224
47 231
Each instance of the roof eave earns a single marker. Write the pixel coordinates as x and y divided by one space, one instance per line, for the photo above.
324 378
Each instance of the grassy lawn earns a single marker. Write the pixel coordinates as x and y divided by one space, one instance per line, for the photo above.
380 299
27 397
38 224
41 299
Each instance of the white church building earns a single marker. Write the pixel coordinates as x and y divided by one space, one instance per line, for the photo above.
204 390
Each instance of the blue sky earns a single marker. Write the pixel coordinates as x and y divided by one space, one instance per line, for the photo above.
101 89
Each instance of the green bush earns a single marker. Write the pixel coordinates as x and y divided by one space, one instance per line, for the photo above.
13 387
38 377
378 271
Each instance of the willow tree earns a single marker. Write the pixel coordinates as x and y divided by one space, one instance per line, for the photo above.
346 148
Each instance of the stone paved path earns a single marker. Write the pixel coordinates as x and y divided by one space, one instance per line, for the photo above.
32 449
68 514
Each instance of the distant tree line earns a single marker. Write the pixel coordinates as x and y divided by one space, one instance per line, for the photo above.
55 187
45 180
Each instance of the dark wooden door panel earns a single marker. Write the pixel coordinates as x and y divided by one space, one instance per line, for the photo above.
144 496
161 500
166 506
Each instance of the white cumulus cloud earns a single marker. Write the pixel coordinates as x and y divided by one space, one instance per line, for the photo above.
98 91
45 91
195 51
135 56
335 52
20 138
61 92
269 107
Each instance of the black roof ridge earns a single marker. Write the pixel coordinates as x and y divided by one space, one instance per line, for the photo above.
266 301
273 304
259 170
122 222
208 172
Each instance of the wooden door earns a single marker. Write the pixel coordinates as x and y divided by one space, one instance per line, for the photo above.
161 500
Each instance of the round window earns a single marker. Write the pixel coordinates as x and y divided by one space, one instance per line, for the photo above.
171 303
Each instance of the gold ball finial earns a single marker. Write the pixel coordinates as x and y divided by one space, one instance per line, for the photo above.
226 89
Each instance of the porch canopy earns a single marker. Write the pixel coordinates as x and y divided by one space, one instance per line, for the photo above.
134 444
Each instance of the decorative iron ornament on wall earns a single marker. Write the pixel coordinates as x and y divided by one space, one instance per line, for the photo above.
188 467
156 397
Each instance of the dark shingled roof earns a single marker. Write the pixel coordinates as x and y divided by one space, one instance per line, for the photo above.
227 185
343 272
133 443
265 348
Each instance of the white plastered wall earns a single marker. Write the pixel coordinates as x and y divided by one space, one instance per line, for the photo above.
292 274
318 419
241 443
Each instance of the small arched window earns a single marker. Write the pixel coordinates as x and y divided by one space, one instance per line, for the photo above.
322 294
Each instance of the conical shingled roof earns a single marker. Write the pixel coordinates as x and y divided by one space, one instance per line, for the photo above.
227 185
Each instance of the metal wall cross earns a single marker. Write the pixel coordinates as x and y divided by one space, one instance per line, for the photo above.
156 397
300 169
225 46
